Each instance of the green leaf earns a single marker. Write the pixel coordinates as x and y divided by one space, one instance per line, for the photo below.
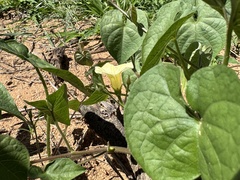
35 172
166 27
69 35
74 104
96 7
122 38
198 56
14 159
160 134
214 93
217 4
7 103
166 17
207 27
96 96
235 17
62 169
209 86
64 74
41 105
83 58
59 105
219 141
21 51
11 46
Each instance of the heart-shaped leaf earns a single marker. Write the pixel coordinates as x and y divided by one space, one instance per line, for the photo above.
122 37
207 27
214 93
160 134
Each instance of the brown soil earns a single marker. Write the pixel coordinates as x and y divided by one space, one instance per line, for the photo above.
22 82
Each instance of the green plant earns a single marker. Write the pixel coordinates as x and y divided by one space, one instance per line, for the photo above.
178 137
181 118
174 130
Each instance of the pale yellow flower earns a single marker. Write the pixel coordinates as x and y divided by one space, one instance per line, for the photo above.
114 73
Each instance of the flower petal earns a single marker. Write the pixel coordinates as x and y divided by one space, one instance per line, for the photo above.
110 69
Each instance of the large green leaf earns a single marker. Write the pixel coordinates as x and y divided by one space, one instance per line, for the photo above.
7 103
159 35
208 86
14 159
207 27
160 134
158 50
58 102
122 38
214 93
21 51
166 17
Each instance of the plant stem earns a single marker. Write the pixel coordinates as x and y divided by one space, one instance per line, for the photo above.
228 44
36 136
63 136
43 81
48 136
78 154
181 59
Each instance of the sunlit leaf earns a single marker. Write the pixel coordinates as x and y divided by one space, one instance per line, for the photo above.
122 38
213 92
160 134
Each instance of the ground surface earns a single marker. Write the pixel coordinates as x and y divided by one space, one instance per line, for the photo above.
22 82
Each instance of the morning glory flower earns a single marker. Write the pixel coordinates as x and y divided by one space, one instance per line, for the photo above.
114 73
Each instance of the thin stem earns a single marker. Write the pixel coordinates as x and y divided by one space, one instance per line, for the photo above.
36 136
65 130
78 154
229 36
43 81
117 7
48 135
228 45
63 136
181 59
110 94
